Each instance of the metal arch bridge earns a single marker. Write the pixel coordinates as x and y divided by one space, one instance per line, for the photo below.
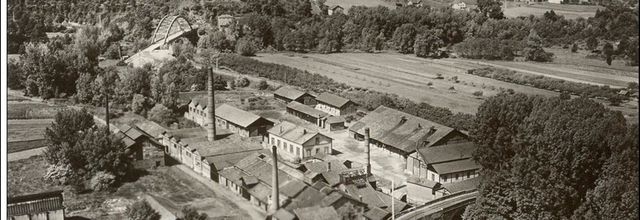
170 28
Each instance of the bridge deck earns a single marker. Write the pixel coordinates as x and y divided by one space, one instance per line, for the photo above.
438 206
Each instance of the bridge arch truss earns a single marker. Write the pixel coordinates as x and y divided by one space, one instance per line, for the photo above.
168 26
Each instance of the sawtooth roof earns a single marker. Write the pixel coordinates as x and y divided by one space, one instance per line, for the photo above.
401 130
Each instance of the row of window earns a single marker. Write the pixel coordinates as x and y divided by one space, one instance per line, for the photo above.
457 176
197 111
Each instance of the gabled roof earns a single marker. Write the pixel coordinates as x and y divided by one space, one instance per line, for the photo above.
307 198
37 203
464 185
289 93
449 152
332 100
317 213
294 133
306 109
236 115
456 166
401 130
151 128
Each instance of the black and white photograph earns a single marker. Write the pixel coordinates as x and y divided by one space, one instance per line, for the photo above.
320 110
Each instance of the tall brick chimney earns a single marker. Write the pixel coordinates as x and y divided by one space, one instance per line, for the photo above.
211 126
368 150
275 192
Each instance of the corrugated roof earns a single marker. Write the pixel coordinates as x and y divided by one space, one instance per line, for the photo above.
332 100
456 166
400 130
467 184
294 133
449 152
236 115
289 93
299 107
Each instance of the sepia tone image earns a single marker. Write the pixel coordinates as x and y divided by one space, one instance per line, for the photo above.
322 109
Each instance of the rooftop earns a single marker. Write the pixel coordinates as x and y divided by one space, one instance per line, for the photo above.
401 130
306 109
236 115
332 100
151 128
468 184
456 166
34 203
376 213
293 132
449 152
423 182
289 93
317 213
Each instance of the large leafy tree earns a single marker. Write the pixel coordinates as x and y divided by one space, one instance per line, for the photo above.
404 38
491 8
541 156
67 127
427 42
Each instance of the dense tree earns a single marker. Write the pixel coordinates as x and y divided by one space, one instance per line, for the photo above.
574 48
247 46
404 38
592 43
141 210
161 114
190 213
427 42
491 8
67 126
533 50
608 51
541 156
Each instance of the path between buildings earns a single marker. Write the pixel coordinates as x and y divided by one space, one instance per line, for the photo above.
243 204
164 212
25 154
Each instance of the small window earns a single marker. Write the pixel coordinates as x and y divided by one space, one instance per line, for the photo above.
326 150
290 148
308 152
273 140
456 176
444 178
298 151
317 140
278 142
433 177
317 150
468 174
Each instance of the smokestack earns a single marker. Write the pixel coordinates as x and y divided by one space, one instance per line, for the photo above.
368 150
211 126
275 192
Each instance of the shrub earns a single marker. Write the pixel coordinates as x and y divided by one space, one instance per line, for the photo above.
452 88
161 114
262 85
429 83
246 46
141 210
139 104
242 82
477 93
574 48
102 181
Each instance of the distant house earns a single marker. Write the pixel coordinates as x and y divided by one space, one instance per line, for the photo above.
307 113
39 206
415 3
288 94
335 105
244 123
467 5
335 9
296 142
555 1
225 21
401 133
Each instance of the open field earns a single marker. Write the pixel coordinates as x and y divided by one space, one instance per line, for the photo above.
169 185
516 9
26 134
405 75
30 110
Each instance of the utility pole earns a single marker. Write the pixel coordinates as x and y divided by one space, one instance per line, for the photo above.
106 107
393 208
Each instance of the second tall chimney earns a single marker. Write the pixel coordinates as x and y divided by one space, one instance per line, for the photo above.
368 150
275 192
211 120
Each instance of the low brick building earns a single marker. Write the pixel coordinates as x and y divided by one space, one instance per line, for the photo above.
288 94
335 105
